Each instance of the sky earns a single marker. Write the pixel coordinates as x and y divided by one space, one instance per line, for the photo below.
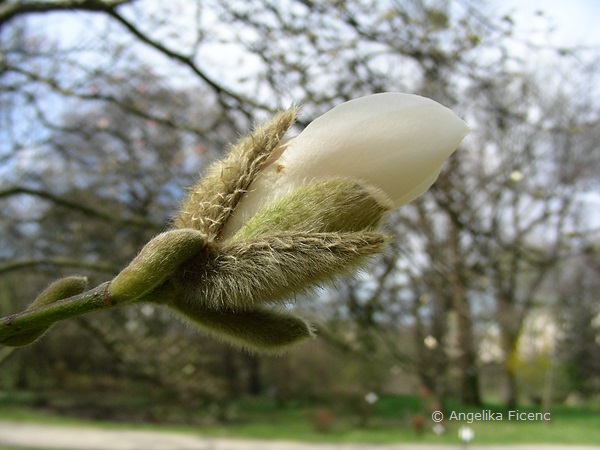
577 21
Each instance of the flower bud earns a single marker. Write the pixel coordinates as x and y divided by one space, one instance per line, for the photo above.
396 142
60 289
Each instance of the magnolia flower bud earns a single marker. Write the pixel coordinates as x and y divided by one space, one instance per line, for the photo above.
396 142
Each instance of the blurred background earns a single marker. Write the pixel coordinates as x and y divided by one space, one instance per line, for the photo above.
487 298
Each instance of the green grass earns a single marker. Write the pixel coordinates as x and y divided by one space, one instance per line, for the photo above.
389 420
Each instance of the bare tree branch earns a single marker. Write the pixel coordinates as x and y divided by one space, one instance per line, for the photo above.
11 9
241 102
124 105
60 262
78 206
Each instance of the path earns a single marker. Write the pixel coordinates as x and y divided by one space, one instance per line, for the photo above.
29 435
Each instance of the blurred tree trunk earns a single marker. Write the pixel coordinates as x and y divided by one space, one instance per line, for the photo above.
254 384
229 371
509 324
467 359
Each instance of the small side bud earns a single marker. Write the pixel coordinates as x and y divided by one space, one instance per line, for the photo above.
155 263
259 330
59 290
334 205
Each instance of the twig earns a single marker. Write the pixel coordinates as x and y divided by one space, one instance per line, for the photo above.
59 262
95 299
78 206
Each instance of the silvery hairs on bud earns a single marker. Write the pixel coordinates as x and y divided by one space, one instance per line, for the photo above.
210 201
306 238
260 329
324 206
243 275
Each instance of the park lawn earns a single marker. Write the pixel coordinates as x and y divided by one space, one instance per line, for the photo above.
568 426
388 421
